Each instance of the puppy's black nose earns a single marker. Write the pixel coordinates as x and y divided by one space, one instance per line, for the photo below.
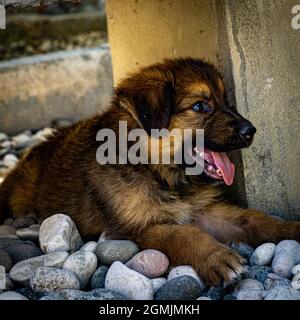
247 130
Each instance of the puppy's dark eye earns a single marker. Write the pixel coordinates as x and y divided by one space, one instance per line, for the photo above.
201 106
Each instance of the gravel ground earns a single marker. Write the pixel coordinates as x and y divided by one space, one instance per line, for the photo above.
51 262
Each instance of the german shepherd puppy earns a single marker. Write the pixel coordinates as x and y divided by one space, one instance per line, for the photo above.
156 205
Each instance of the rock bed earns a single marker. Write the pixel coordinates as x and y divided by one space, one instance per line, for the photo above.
51 262
14 147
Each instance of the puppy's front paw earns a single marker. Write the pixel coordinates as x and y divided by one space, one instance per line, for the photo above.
222 266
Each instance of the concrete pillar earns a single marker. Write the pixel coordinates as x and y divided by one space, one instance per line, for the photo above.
147 31
265 54
253 43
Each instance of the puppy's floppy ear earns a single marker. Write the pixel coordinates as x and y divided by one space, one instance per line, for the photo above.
150 100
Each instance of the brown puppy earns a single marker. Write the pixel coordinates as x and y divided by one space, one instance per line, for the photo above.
156 205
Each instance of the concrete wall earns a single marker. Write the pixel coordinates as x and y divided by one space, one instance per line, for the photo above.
143 32
38 89
259 53
265 54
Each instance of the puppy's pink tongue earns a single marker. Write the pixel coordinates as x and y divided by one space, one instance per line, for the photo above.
226 167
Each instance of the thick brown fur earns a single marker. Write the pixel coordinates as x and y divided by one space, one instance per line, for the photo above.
156 205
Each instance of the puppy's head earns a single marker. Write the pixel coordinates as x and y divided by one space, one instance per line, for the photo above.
188 94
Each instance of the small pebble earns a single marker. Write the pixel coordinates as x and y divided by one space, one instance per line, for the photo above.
6 231
11 295
97 294
296 277
51 279
283 293
204 298
243 249
24 222
130 283
116 250
296 284
5 145
3 136
59 232
250 284
42 135
50 297
62 122
263 255
157 283
105 294
9 236
274 281
8 221
23 251
9 283
287 255
82 264
215 293
30 294
150 263
10 160
22 141
30 233
259 273
185 271
66 294
23 271
5 260
89 246
5 242
251 294
296 269
98 278
283 264
3 152
2 278
179 288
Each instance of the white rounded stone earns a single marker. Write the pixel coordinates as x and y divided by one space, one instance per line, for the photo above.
11 295
83 264
130 283
263 255
24 270
89 246
59 232
185 270
51 279
157 283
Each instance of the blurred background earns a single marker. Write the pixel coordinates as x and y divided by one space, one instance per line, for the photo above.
54 63
60 26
